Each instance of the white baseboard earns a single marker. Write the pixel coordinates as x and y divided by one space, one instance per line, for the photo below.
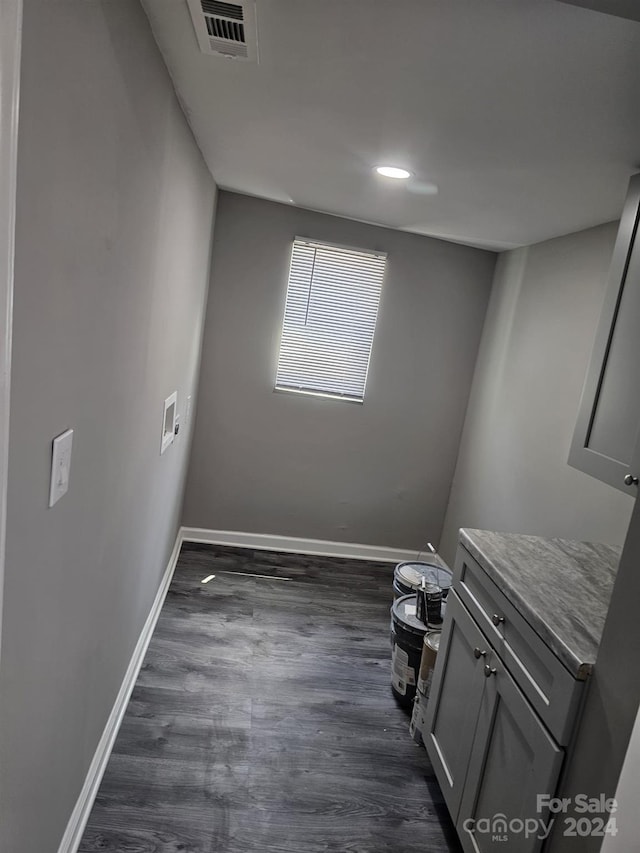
294 545
80 815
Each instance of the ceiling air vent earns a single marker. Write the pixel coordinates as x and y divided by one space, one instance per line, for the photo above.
226 29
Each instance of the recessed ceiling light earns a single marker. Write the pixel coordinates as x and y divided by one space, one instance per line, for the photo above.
393 172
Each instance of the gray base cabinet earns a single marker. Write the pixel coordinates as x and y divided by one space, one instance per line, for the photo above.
455 699
513 759
490 748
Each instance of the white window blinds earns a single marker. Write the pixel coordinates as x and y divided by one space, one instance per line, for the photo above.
329 319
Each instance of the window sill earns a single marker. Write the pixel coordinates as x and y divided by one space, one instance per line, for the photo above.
321 394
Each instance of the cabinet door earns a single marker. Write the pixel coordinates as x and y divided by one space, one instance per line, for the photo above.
454 700
605 443
513 759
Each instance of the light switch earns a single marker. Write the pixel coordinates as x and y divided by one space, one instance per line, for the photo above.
60 466
169 421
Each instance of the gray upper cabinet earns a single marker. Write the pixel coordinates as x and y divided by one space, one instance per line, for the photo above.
606 441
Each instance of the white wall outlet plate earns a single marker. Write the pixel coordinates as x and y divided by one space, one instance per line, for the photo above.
169 415
60 466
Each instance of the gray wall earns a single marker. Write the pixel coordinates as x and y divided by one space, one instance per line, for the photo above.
114 217
611 708
627 791
379 473
512 472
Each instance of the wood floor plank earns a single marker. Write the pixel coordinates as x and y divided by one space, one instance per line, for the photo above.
262 720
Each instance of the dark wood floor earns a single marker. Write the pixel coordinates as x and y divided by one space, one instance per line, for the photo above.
262 719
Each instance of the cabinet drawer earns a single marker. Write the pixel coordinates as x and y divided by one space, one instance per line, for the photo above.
547 684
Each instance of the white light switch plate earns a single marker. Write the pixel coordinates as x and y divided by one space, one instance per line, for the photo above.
60 466
169 421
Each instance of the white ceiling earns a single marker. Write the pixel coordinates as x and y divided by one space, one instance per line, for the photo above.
525 113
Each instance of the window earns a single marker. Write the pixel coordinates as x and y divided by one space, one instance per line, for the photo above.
329 319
